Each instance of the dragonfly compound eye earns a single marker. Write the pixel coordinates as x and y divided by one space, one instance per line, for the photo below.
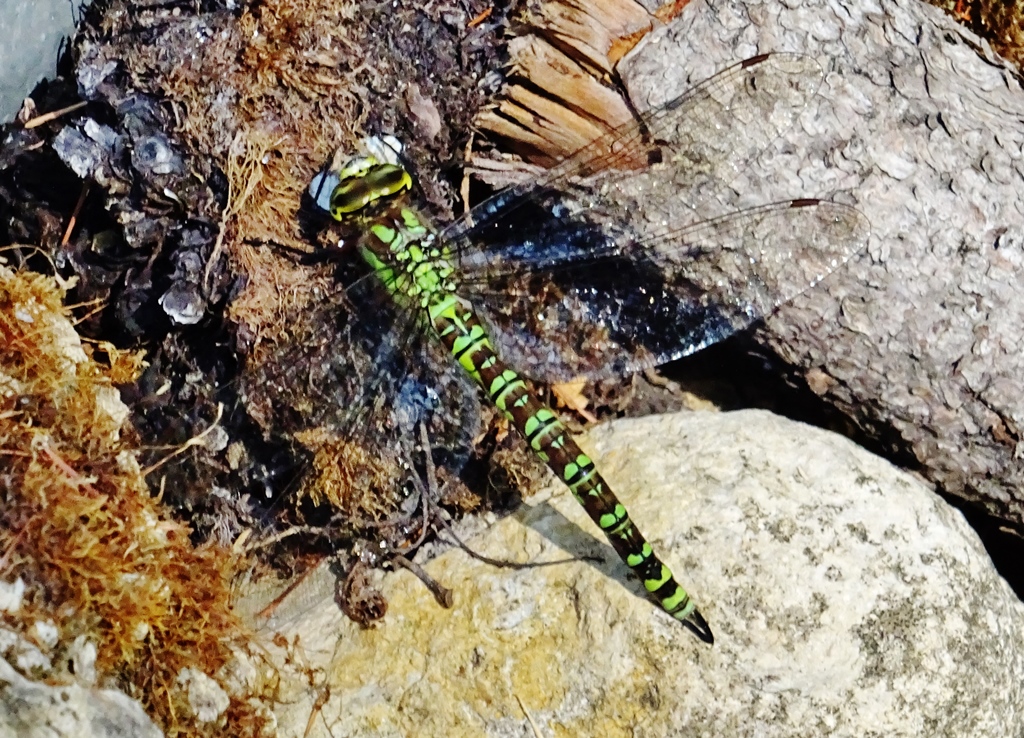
379 181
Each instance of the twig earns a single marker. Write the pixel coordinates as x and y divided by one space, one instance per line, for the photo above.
268 611
529 717
74 214
280 536
194 441
442 594
47 117
480 18
318 705
464 187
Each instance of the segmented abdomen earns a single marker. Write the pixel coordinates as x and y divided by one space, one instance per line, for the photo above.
461 331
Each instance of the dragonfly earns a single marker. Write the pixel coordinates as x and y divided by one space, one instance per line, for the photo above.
607 264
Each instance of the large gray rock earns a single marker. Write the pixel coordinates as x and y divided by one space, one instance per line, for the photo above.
917 123
31 32
847 600
30 709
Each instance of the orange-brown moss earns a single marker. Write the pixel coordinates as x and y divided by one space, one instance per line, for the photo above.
98 555
998 21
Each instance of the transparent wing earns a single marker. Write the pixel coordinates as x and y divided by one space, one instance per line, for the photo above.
585 296
359 375
700 141
590 299
605 266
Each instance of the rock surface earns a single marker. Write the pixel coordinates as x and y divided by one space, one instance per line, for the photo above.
37 710
847 600
30 36
917 124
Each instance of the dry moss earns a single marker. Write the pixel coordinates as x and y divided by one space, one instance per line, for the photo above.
99 556
998 21
265 95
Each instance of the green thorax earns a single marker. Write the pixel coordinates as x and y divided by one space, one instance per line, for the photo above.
398 243
409 259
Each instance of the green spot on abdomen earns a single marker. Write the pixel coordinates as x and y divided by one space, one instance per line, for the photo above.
385 234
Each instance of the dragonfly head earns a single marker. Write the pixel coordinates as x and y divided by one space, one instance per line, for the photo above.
348 188
355 192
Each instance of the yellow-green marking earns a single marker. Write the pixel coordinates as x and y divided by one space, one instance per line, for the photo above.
418 273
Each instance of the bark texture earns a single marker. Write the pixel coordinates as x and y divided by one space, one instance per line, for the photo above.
918 124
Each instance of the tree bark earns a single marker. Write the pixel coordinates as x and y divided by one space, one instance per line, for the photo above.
918 124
